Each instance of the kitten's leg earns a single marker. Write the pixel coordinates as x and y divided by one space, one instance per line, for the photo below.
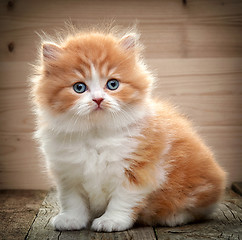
74 214
120 214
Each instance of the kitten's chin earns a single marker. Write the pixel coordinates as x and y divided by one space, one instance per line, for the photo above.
97 115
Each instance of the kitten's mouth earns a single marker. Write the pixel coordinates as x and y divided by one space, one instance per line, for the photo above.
98 108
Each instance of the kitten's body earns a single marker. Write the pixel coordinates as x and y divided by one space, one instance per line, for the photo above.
129 159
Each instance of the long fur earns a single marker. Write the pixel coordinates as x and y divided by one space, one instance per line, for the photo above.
132 159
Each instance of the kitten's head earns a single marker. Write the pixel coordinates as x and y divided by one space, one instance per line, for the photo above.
93 79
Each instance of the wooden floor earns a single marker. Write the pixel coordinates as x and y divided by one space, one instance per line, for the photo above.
24 216
18 208
225 223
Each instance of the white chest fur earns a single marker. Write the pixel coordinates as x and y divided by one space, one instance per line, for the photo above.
94 162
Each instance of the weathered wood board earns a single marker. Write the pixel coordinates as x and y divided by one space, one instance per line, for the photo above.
207 90
17 210
195 47
170 28
225 223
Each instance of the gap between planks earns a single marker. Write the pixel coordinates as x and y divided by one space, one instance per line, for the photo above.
225 223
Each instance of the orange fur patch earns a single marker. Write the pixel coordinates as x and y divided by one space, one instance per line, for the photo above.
146 159
194 179
53 90
168 148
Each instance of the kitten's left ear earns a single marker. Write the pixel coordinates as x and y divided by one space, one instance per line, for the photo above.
51 52
129 41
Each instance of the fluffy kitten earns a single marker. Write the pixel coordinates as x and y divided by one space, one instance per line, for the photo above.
117 155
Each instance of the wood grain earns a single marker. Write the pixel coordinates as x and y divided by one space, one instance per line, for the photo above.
42 229
195 49
207 90
169 29
22 167
18 209
225 223
198 86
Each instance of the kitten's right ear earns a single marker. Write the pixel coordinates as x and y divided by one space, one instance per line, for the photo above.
51 52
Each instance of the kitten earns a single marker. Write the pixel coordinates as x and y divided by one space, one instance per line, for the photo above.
117 155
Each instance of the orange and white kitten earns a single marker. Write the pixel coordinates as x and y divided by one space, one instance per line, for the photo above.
117 155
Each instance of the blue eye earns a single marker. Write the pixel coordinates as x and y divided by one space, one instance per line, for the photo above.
80 87
112 84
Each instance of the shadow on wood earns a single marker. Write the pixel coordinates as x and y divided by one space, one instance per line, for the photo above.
225 223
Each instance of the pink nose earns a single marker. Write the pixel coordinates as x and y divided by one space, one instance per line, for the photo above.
97 100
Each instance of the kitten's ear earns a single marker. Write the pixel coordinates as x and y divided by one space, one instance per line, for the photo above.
51 52
129 41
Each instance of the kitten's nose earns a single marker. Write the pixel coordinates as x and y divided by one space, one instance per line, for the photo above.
97 100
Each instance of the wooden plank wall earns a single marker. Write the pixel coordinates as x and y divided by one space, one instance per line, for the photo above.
194 46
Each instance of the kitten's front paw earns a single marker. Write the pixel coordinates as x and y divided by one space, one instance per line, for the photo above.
64 221
110 224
